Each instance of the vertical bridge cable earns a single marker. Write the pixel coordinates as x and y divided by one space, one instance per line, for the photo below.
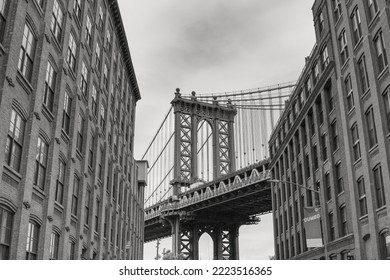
160 160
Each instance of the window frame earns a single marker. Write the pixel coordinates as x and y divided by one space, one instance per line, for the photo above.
57 21
27 52
17 127
41 163
33 232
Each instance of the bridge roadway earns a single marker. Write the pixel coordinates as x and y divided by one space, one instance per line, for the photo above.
234 199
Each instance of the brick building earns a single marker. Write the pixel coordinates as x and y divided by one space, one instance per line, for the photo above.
68 93
334 137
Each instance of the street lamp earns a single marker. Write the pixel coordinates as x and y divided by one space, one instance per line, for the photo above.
323 213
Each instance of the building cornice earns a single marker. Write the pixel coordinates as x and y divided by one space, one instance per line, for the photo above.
124 46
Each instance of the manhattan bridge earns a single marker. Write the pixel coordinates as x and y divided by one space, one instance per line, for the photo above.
208 168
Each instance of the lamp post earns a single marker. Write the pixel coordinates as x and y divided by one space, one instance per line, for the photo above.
323 213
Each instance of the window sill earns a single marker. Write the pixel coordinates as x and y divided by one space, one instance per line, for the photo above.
58 206
358 45
373 149
56 43
2 50
364 217
357 161
79 155
25 84
384 72
365 94
351 112
65 136
13 172
373 20
341 193
345 65
380 209
46 112
74 218
339 20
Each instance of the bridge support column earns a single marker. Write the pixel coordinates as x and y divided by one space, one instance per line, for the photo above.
226 243
174 221
190 243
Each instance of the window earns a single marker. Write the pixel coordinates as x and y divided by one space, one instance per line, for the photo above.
324 57
384 244
66 113
320 22
380 51
105 222
40 163
315 157
27 51
80 131
56 21
348 89
362 197
307 166
316 73
71 56
379 187
94 100
101 18
355 142
105 76
60 182
320 111
97 62
102 118
83 80
108 38
3 17
371 127
324 147
97 215
337 10
87 202
77 8
334 135
91 154
386 101
88 33
303 132
75 195
329 98
343 220
343 46
356 25
372 8
50 83
301 99
100 171
54 244
6 221
32 241
14 144
72 250
308 87
339 178
328 187
363 74
332 231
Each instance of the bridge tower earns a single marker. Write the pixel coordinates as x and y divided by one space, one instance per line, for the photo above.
189 113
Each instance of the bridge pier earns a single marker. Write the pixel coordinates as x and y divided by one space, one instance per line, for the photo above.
226 242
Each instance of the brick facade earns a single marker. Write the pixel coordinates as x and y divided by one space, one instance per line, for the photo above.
337 138
103 217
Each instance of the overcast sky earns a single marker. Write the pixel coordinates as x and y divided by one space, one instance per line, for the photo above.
212 46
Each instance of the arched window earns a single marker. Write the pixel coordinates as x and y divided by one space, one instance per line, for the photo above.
6 221
32 240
